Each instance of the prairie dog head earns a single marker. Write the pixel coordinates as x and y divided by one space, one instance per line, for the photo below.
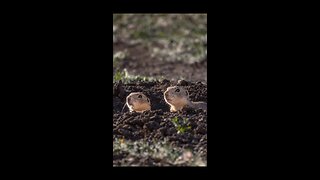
138 102
177 97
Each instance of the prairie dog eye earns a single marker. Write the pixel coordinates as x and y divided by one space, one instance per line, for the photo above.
140 96
177 90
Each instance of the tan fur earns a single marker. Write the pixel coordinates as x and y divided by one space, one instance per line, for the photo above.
180 100
137 104
199 105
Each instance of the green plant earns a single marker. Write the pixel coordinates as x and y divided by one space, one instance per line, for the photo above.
125 77
119 75
181 126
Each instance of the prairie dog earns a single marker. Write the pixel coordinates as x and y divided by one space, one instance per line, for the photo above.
138 102
178 98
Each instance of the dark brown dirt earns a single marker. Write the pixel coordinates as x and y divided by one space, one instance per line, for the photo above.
171 47
157 123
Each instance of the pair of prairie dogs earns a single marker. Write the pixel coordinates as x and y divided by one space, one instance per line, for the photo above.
177 97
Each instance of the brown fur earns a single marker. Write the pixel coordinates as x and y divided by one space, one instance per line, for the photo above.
138 102
178 98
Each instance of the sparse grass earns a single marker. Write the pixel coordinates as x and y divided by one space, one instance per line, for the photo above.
181 124
161 151
165 38
125 77
170 37
123 74
119 75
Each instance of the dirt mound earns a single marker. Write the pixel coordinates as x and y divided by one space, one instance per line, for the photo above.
186 129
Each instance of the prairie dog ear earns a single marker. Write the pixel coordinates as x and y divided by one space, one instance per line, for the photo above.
148 100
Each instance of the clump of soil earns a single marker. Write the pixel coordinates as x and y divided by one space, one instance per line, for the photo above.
157 124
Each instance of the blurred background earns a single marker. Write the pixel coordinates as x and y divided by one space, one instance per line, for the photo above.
158 46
